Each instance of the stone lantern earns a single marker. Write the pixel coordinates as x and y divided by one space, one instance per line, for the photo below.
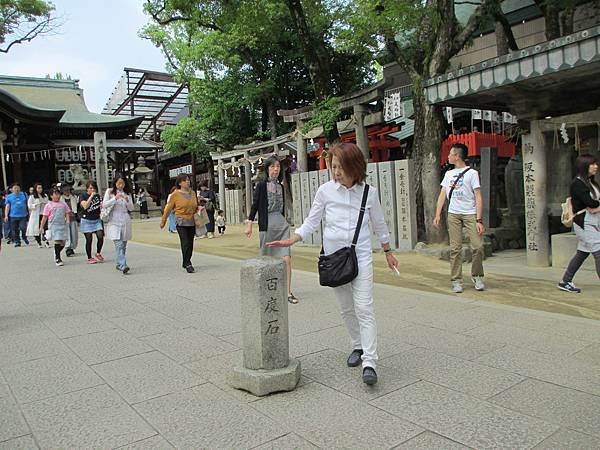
142 175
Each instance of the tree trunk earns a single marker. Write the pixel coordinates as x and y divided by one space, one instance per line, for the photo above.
317 63
429 132
271 116
566 19
501 42
551 13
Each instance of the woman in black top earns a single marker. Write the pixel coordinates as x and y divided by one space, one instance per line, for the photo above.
585 196
269 202
90 221
207 198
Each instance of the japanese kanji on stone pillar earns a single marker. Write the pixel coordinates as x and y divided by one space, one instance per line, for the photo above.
267 364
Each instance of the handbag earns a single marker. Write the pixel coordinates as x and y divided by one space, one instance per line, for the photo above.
201 218
106 213
341 267
567 215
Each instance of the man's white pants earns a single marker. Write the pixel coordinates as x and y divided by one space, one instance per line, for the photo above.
356 307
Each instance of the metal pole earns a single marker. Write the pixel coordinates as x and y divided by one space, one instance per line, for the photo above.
3 162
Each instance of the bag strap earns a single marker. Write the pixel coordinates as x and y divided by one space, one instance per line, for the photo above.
455 182
363 204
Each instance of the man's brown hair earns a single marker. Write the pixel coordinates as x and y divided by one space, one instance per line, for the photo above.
352 161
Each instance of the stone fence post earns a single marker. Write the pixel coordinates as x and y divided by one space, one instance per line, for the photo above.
267 365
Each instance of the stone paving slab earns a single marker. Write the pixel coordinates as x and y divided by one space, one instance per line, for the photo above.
529 339
158 347
20 443
143 377
569 439
106 346
565 407
90 418
47 377
331 419
555 369
428 440
202 417
454 373
12 423
289 441
465 419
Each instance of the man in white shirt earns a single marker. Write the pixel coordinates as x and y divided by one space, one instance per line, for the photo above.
465 209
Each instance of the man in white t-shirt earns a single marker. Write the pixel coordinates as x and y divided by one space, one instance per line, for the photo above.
465 209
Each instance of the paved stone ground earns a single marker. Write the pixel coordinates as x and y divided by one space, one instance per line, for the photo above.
92 359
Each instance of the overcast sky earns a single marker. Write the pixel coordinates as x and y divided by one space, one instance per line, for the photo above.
98 39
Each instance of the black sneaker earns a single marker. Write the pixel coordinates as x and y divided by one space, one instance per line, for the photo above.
568 286
190 269
369 376
59 262
354 359
126 270
70 252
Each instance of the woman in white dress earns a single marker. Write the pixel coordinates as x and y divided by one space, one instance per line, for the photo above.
118 229
36 203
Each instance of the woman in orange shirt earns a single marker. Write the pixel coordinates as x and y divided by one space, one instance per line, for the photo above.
183 200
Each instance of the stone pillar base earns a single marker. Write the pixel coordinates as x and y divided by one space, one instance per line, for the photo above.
263 382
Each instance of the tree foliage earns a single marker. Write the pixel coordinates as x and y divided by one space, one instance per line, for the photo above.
23 20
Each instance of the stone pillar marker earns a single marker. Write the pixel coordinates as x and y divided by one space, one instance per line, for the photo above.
267 365
489 186
536 204
248 183
362 138
222 201
406 205
302 161
101 161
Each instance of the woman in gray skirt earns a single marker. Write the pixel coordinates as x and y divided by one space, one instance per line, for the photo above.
585 199
269 202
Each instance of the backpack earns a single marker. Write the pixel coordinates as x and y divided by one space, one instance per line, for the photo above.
567 215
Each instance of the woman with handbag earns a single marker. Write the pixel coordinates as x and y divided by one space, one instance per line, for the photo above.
185 203
585 200
91 224
118 200
341 200
269 202
208 200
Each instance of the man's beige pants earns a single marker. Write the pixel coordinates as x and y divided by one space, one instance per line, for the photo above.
456 222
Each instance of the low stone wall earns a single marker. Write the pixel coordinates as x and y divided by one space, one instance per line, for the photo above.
564 246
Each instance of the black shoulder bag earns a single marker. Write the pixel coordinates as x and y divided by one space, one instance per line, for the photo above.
341 267
455 183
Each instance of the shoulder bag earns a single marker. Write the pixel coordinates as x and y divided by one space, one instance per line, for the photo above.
341 267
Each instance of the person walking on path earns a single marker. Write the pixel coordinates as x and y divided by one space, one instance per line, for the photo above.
269 202
118 229
142 201
90 222
207 198
220 221
15 212
36 203
585 201
340 201
71 201
465 210
185 203
56 214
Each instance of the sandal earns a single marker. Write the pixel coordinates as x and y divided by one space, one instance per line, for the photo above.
292 299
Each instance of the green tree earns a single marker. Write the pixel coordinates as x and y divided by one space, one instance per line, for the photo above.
422 37
23 20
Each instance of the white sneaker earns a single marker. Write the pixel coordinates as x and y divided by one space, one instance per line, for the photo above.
457 287
210 235
479 284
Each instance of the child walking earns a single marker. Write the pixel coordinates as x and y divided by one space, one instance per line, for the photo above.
56 214
220 221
